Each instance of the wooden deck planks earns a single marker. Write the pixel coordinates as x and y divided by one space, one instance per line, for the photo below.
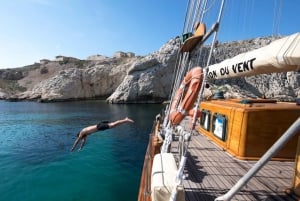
211 172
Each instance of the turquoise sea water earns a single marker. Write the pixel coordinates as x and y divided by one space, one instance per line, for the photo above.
35 159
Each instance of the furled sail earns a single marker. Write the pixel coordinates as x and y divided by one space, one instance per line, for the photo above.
279 56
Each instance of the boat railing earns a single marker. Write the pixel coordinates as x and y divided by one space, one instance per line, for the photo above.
275 148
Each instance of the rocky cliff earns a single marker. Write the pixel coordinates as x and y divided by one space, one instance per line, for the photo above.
126 78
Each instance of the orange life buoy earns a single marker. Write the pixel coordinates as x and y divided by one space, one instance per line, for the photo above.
193 80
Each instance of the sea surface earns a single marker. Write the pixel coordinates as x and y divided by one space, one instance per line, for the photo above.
35 159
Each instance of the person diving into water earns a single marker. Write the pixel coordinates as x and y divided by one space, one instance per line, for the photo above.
82 135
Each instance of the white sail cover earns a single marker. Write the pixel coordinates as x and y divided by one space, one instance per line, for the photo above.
279 56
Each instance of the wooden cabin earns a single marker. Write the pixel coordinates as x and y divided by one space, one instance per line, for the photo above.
248 128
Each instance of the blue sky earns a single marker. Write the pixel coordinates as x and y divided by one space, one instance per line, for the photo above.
42 29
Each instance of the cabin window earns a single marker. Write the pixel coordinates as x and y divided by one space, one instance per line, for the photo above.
205 119
219 126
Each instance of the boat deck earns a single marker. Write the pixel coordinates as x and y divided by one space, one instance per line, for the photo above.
210 172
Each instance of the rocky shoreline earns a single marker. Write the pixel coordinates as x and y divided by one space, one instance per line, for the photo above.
126 78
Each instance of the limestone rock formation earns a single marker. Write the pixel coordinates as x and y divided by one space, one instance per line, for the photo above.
127 78
97 79
149 79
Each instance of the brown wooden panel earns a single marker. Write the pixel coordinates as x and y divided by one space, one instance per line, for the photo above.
253 128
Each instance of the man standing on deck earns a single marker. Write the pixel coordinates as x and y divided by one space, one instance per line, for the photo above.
82 135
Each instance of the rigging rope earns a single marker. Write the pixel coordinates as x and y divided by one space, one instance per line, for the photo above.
209 7
277 16
197 13
185 19
203 11
189 16
208 61
184 64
